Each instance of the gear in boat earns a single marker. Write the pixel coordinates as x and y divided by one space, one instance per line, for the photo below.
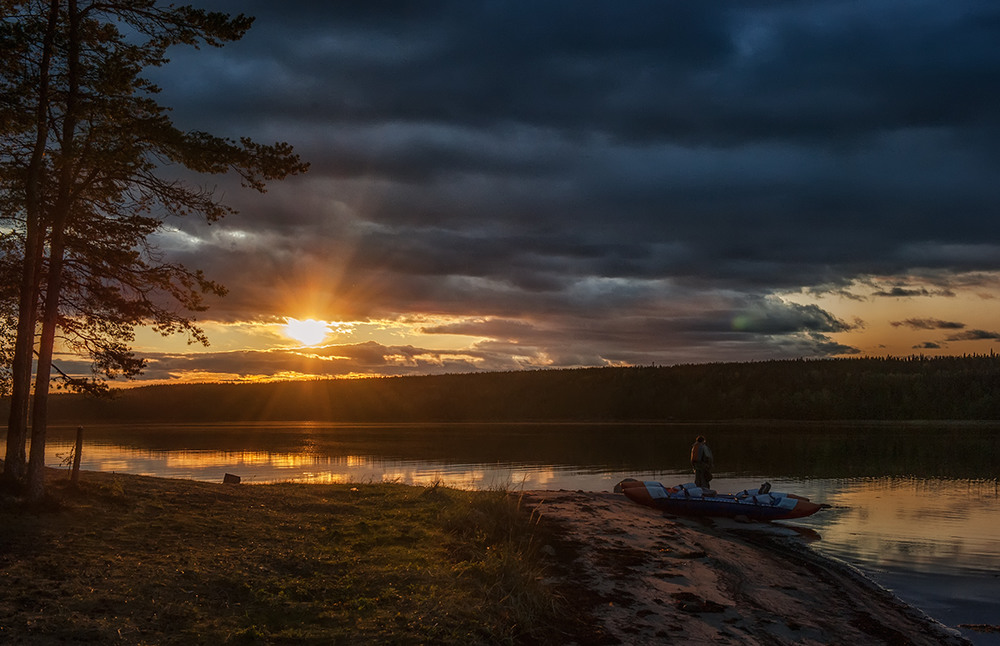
690 500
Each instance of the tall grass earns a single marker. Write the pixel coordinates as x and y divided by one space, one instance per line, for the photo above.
134 560
497 542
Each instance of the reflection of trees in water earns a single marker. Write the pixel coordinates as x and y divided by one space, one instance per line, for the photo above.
767 450
947 451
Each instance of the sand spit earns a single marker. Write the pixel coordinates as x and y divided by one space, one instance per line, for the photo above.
651 579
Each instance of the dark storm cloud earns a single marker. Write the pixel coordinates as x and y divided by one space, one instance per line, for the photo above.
974 335
718 72
636 176
929 324
903 292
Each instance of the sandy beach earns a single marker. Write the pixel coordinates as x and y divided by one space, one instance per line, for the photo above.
653 579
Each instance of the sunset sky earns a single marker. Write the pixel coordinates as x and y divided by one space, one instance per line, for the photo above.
508 185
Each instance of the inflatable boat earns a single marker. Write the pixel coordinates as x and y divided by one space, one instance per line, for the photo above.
689 500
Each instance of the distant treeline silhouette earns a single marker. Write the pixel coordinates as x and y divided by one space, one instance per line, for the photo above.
960 388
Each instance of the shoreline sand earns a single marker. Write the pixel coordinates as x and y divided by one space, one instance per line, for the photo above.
649 579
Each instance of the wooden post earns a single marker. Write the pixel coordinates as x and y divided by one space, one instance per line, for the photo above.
76 455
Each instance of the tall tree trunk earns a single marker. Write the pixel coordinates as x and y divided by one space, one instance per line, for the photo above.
17 422
35 485
59 217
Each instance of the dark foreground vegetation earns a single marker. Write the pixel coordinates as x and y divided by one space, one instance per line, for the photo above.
123 559
959 388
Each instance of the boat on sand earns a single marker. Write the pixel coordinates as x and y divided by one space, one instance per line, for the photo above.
689 500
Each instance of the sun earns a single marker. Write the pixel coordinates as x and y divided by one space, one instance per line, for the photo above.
307 332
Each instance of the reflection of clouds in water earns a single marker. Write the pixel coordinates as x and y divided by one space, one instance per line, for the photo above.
262 467
184 460
114 465
323 478
912 522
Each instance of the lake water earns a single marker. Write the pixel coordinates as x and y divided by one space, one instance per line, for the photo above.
916 507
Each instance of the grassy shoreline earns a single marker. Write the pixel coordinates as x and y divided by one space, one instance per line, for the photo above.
139 560
125 559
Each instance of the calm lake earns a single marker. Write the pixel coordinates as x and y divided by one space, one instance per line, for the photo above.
916 506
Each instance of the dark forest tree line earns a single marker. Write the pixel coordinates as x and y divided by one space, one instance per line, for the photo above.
83 187
960 388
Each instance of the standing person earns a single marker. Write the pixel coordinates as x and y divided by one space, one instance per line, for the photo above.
701 460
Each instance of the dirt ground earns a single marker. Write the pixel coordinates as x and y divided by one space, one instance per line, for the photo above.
652 579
